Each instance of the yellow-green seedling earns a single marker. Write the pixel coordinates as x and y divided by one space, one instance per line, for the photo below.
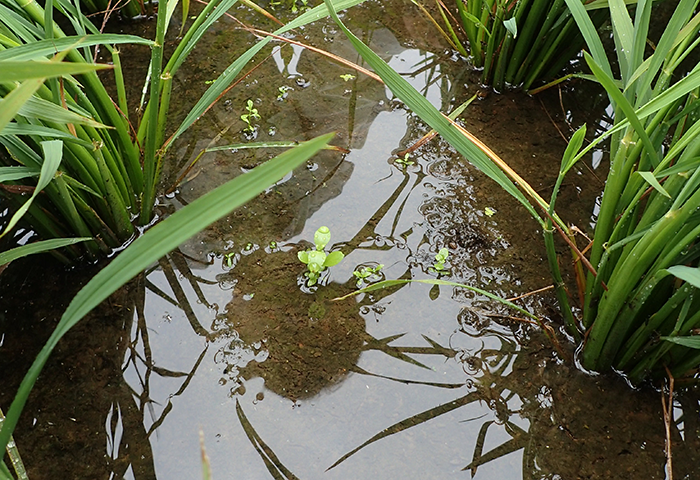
365 273
317 260
251 115
404 162
440 259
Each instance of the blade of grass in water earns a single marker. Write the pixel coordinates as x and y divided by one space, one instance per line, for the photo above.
53 153
38 247
155 243
428 113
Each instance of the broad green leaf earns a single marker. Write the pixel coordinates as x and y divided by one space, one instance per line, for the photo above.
651 180
44 110
429 114
690 342
44 48
334 258
155 243
53 153
512 26
38 247
687 274
10 174
20 71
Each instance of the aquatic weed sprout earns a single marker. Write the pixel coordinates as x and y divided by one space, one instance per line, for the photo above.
643 276
317 260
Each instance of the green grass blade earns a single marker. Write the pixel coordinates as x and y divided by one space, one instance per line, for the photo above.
10 174
651 180
41 131
53 153
203 23
690 342
43 48
628 110
393 283
688 274
623 34
11 71
590 34
429 114
15 100
38 247
155 243
41 109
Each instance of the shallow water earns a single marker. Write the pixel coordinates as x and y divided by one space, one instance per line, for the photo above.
430 381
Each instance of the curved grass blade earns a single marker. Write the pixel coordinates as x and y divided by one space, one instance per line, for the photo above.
53 154
690 342
688 274
392 283
11 71
590 34
412 421
518 441
428 113
9 174
273 464
43 48
41 109
13 101
155 243
627 108
38 130
38 247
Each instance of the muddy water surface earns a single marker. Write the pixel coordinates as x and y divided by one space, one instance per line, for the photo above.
222 337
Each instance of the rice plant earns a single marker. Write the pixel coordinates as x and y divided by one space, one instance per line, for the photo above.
640 299
515 42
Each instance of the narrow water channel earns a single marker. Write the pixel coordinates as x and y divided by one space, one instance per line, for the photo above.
223 339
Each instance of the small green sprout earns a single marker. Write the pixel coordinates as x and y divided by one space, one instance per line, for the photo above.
209 82
489 212
363 273
229 258
348 76
317 260
440 259
252 114
405 162
283 92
